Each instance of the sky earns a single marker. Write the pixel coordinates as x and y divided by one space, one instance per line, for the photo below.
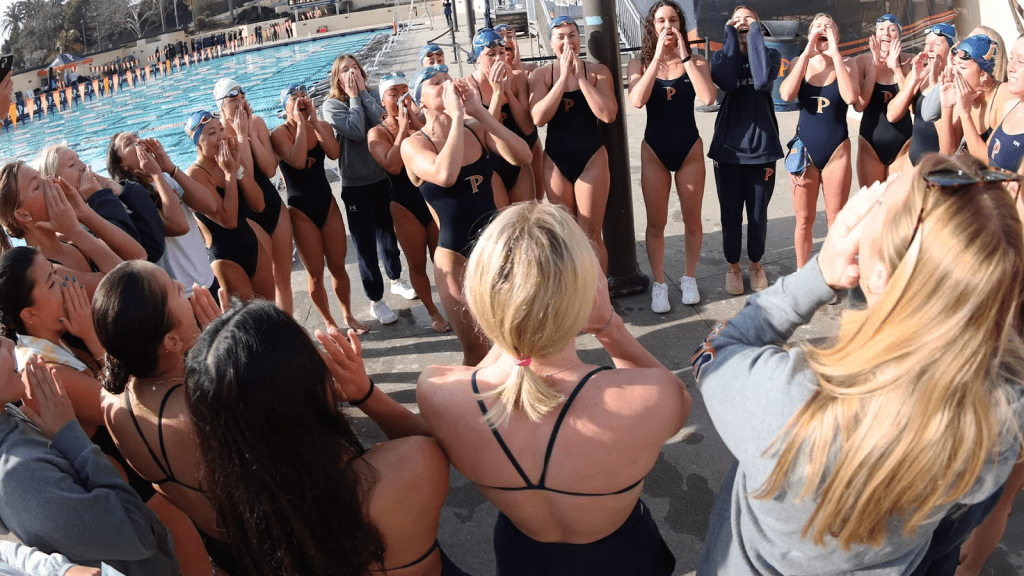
3 7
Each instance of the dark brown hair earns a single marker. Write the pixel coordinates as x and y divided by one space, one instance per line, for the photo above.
651 37
9 201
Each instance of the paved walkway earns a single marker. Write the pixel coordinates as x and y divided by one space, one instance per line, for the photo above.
682 487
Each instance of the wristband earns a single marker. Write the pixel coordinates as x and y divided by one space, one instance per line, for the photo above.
364 398
173 172
688 58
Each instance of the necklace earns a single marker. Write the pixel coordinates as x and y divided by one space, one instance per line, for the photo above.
154 384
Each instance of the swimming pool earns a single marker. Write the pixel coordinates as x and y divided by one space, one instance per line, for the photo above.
159 108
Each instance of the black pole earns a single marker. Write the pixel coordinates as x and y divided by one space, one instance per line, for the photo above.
471 17
624 275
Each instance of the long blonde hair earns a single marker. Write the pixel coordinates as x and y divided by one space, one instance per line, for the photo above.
530 285
336 91
914 393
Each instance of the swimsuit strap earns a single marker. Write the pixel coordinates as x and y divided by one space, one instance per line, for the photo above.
483 147
561 417
135 421
435 546
504 447
429 140
160 429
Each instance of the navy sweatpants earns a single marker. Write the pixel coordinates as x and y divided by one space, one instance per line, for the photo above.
739 186
368 211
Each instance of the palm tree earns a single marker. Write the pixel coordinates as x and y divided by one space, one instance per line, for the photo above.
13 18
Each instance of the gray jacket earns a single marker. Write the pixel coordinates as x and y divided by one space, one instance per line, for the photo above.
65 496
752 385
351 122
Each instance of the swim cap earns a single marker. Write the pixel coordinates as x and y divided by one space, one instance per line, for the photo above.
291 89
224 88
943 29
982 49
194 124
486 38
562 21
422 76
428 49
392 79
892 20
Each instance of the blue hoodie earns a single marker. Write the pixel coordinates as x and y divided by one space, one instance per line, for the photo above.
746 131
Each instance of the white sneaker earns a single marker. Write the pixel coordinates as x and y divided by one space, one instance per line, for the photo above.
403 289
659 298
381 312
690 293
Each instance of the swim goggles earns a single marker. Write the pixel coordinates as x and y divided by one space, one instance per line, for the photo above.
390 80
891 20
562 21
501 28
194 124
943 29
486 38
291 91
430 50
424 75
981 49
233 92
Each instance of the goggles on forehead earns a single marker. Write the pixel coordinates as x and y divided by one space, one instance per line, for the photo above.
233 93
195 123
562 21
891 20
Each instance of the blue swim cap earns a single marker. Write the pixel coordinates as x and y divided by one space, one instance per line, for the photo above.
562 21
422 76
194 124
892 20
428 49
943 29
287 93
982 49
486 38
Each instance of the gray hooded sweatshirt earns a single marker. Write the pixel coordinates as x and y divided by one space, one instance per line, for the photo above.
752 386
65 496
351 122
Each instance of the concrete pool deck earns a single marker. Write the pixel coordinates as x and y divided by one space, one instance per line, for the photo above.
681 488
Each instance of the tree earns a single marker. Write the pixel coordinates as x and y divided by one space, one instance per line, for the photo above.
137 13
69 41
13 18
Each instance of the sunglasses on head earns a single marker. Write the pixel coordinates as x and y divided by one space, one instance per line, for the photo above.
234 92
957 181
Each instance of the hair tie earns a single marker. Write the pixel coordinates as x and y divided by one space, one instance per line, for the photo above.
524 362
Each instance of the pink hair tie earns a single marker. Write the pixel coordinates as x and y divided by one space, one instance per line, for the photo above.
525 362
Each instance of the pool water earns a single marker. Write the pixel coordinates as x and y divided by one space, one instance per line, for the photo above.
158 109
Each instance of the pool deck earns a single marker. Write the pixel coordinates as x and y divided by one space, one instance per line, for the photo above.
681 489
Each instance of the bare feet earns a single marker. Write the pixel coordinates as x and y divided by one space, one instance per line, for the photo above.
356 325
438 323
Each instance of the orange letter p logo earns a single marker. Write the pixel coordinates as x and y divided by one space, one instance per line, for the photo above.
567 103
669 92
475 181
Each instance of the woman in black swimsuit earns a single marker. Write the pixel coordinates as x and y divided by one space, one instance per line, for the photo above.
569 498
257 155
882 69
414 224
523 71
967 95
508 99
290 483
570 97
451 162
302 143
237 261
665 80
146 324
824 83
36 209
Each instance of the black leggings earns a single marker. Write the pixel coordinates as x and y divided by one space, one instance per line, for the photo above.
740 185
368 211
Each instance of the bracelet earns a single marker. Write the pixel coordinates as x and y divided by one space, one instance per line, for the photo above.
364 398
607 324
175 171
688 58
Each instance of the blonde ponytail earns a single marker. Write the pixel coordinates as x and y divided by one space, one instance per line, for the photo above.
530 285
